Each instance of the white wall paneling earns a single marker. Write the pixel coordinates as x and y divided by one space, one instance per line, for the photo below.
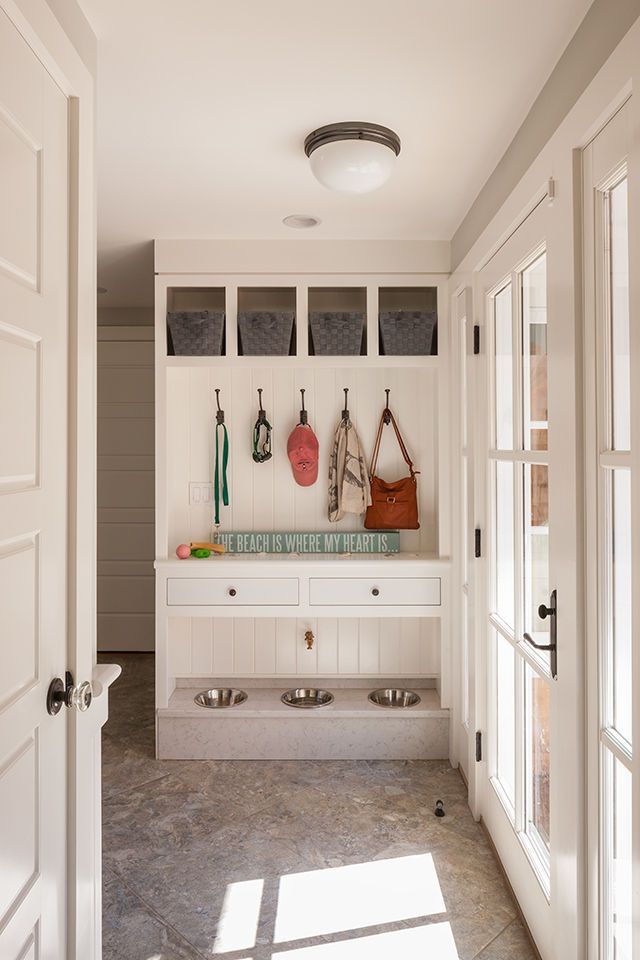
126 471
270 647
264 496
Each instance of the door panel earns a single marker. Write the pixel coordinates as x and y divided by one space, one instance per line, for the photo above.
527 460
33 500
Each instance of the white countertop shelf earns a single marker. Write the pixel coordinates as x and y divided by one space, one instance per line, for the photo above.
191 566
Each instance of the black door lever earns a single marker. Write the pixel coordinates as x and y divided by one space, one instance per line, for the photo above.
544 612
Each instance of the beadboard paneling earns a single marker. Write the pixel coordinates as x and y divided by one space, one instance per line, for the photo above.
264 496
267 647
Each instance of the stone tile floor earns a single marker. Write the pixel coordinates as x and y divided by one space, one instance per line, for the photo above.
177 833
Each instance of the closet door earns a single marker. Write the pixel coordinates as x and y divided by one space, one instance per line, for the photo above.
530 753
612 347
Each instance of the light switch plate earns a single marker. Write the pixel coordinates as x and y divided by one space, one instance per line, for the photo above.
200 493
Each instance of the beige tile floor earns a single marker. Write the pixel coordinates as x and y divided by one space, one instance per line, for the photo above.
267 846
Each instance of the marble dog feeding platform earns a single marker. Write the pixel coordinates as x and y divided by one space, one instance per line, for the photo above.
264 728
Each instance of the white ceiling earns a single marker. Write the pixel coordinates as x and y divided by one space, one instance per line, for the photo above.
203 106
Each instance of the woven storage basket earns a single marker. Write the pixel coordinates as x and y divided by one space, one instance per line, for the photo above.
407 333
196 333
336 334
265 333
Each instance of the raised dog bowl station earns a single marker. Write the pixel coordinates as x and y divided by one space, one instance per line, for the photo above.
219 697
395 698
307 698
266 728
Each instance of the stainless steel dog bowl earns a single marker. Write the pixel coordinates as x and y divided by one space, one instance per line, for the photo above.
389 697
307 698
220 697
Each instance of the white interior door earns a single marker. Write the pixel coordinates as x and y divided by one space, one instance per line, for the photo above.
33 502
529 793
612 424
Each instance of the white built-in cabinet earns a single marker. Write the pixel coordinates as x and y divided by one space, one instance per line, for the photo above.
202 634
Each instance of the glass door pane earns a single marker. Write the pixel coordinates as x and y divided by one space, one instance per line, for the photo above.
619 307
506 717
503 368
620 625
534 349
618 935
536 548
504 544
538 703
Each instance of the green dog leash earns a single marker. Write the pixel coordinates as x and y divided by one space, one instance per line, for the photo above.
217 465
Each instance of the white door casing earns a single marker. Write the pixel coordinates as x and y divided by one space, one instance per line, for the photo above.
34 311
612 430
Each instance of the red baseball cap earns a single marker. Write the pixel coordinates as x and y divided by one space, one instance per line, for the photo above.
303 453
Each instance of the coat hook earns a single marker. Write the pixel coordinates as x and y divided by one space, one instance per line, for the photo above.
345 412
262 415
303 412
387 412
220 411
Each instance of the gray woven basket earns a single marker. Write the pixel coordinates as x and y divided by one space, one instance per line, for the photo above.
407 333
196 333
265 333
336 334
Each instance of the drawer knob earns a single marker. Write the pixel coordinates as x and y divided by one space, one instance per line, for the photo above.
375 592
232 591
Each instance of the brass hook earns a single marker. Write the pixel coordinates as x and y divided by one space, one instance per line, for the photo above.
309 637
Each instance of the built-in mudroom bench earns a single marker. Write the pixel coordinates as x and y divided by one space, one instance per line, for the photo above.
312 610
358 640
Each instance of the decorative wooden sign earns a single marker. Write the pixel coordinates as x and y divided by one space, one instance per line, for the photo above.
386 541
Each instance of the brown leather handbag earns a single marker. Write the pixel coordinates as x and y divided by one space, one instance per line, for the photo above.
394 505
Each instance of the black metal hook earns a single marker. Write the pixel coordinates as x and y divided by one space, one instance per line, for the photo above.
303 412
386 415
345 412
262 414
220 411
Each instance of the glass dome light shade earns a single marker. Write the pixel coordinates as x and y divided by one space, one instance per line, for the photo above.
352 166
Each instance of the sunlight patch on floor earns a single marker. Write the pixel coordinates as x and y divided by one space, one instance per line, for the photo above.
435 940
238 924
340 899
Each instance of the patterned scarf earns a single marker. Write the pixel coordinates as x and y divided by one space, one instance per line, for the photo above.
348 477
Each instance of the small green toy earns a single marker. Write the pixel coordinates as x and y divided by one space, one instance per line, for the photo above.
201 553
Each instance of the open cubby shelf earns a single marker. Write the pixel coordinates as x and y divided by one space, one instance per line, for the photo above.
386 324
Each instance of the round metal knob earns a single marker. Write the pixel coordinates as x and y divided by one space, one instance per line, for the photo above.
66 693
375 592
232 591
81 696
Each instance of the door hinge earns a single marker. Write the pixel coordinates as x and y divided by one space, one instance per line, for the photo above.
476 340
477 543
478 746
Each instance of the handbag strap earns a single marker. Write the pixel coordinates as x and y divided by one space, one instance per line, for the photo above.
403 449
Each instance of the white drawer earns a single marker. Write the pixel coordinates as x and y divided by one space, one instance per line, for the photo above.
229 592
383 591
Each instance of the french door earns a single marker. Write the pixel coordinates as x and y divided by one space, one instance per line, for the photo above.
530 787
612 418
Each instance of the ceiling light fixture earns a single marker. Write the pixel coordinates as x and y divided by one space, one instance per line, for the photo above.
301 221
352 157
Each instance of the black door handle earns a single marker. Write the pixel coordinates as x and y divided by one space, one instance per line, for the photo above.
543 612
